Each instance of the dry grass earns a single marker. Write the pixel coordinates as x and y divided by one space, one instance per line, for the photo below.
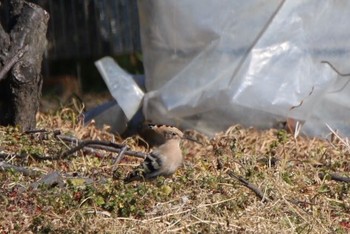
202 197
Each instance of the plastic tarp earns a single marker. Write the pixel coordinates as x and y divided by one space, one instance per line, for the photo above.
210 64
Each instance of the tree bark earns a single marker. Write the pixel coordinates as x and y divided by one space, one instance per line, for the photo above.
21 53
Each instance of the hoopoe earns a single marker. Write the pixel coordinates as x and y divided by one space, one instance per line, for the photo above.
166 156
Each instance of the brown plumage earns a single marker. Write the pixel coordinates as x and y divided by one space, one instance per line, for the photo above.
165 157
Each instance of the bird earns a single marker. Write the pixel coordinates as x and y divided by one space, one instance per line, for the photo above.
166 155
154 134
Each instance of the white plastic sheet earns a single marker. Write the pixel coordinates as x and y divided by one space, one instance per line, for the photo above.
210 64
121 85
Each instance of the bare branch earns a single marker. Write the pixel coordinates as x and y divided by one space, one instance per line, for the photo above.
25 171
131 153
11 155
339 73
88 145
85 143
32 131
103 145
335 177
251 186
9 64
120 155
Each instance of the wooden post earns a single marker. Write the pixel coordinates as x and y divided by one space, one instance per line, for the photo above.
21 53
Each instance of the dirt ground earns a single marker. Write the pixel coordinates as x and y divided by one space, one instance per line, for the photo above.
240 181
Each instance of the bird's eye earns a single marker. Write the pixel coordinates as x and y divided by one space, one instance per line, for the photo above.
171 134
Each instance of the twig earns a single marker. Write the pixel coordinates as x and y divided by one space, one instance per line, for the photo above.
80 146
42 158
25 171
338 136
251 186
11 155
136 154
75 140
90 149
80 143
334 176
89 145
339 73
120 155
85 143
103 145
9 64
33 131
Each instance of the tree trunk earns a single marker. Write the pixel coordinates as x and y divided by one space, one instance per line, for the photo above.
21 54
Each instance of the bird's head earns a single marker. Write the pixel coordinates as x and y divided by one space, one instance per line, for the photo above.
172 133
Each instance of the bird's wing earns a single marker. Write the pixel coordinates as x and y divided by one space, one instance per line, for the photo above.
150 168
